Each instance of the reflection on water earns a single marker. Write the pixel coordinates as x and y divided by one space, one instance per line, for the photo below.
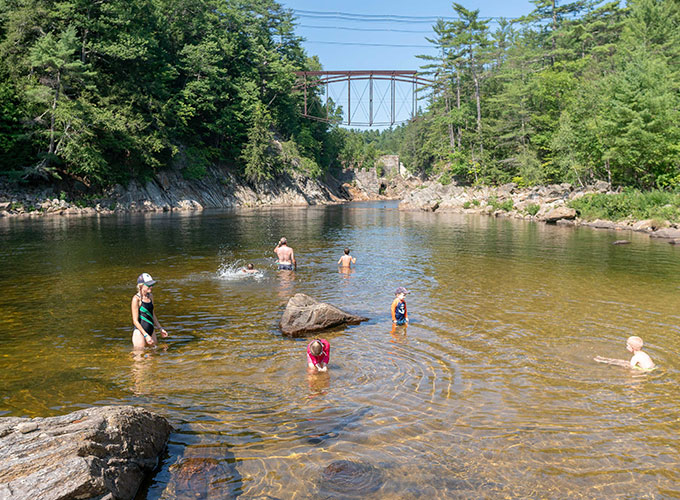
490 392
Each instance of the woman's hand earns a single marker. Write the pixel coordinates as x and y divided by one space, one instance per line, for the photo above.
163 333
149 339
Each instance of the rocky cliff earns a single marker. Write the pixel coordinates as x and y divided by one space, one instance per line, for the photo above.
219 188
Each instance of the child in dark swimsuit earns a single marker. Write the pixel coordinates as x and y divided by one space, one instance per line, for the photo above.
399 312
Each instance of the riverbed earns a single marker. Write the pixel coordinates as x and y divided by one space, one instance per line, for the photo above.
490 392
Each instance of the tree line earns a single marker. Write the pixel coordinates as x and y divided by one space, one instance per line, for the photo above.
573 91
104 91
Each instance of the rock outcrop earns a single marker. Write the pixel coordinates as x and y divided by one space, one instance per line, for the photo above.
99 453
304 314
559 213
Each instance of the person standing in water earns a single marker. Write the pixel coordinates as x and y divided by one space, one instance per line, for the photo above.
143 316
347 260
285 255
398 308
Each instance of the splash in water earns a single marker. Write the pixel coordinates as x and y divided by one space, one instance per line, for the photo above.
236 271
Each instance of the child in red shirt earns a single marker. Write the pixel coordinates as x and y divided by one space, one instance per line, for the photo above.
318 354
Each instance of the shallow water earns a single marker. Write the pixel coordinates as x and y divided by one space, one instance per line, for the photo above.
490 392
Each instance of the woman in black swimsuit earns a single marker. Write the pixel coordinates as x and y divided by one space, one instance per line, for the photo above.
143 316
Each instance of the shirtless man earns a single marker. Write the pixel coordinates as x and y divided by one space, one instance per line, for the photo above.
347 260
285 255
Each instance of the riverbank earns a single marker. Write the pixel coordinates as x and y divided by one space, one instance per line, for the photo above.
219 188
562 204
597 206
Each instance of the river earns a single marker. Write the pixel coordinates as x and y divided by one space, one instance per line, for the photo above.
490 392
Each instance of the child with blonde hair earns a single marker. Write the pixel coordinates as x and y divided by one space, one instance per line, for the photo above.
640 359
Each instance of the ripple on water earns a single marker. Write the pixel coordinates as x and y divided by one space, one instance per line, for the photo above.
491 392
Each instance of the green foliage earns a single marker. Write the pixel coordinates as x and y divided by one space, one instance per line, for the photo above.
532 209
446 178
574 92
506 205
197 164
630 204
106 91
258 155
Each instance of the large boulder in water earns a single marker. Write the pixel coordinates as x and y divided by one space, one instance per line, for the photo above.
92 453
304 314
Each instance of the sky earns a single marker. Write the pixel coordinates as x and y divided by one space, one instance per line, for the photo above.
357 40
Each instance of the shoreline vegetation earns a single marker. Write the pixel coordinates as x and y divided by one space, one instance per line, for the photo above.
655 212
196 107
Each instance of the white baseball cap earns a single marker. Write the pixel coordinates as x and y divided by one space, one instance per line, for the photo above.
146 279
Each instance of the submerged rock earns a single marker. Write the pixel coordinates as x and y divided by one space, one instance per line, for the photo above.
346 478
669 233
201 477
304 314
93 453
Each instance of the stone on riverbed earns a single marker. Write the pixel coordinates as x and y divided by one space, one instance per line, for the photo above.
99 453
348 479
304 314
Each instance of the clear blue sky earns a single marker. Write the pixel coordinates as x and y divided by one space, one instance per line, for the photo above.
348 57
348 35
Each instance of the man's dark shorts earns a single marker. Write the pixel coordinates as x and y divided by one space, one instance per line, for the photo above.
285 267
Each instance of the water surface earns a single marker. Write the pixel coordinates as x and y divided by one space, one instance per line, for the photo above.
491 392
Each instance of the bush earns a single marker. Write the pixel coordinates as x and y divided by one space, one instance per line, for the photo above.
446 178
533 209
630 203
467 205
506 205
194 172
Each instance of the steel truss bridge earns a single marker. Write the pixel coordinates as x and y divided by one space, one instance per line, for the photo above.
349 89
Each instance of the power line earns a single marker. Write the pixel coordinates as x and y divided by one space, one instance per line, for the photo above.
361 44
342 18
365 29
381 16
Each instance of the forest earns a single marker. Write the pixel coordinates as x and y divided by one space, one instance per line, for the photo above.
571 92
104 91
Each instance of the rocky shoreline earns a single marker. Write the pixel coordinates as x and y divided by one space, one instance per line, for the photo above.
219 188
169 191
541 203
103 452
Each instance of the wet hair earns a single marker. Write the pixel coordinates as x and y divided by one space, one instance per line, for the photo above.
250 266
635 342
346 251
316 347
283 241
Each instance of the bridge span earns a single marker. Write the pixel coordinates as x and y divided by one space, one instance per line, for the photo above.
351 87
